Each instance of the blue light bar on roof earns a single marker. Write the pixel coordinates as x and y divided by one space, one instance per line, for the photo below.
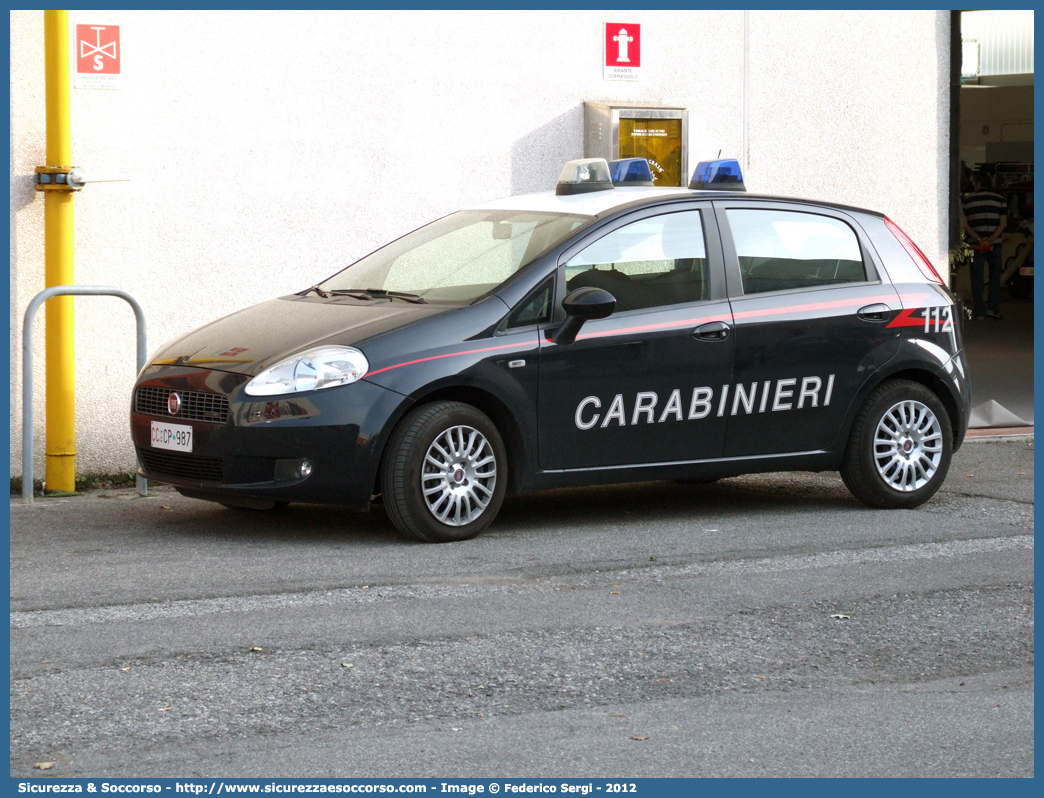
631 172
722 175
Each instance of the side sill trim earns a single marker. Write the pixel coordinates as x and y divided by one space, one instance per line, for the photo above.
684 462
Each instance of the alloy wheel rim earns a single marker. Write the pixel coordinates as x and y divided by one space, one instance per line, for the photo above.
459 475
908 446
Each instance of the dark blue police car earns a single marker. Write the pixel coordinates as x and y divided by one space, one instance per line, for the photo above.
603 332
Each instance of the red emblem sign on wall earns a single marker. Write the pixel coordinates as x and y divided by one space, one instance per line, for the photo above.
98 49
623 44
623 50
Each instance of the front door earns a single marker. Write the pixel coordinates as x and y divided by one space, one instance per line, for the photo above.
643 385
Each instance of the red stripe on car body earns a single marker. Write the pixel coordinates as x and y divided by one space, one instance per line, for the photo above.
451 354
904 320
670 325
836 303
667 325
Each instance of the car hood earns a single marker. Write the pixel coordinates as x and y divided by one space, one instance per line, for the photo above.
251 340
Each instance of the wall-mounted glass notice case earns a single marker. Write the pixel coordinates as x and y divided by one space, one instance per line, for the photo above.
659 135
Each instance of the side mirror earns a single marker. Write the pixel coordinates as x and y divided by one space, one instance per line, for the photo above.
582 305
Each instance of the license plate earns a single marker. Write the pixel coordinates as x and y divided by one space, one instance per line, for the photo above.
1026 271
177 437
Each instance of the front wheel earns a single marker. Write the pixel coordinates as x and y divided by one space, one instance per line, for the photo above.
900 446
444 473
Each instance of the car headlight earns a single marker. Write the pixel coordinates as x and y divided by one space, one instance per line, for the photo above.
311 370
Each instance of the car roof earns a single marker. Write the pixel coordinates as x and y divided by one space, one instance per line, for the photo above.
592 203
597 203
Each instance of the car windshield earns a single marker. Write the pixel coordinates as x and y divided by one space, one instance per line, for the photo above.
458 258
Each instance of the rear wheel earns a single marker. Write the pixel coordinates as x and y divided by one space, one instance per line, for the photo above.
444 473
900 446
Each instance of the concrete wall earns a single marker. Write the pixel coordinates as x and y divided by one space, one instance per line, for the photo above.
268 149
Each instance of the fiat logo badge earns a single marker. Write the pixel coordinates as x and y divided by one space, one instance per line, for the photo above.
173 403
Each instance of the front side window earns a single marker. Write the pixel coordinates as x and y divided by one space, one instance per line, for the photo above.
782 250
653 262
459 258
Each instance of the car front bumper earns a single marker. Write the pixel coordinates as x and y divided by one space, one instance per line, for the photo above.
245 454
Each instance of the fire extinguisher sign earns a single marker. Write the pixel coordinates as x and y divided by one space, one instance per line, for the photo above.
98 57
623 51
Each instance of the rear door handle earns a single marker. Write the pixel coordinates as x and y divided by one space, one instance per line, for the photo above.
712 331
874 312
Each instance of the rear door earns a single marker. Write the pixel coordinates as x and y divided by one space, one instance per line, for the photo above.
811 323
641 386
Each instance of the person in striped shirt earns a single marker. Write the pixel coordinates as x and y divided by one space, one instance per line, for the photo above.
984 216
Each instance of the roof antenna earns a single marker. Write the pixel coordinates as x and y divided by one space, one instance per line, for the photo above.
719 154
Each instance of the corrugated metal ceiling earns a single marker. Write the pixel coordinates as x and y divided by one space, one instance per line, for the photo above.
1005 40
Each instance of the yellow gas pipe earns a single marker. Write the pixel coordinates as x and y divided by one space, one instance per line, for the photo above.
58 259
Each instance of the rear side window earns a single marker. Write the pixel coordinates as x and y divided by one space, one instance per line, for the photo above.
782 250
652 262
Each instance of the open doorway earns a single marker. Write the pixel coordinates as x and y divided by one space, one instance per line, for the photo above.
995 148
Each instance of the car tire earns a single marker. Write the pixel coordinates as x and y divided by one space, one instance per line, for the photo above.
900 446
438 480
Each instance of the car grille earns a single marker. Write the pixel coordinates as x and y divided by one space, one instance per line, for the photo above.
195 405
204 469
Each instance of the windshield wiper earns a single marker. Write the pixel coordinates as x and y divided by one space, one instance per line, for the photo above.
317 290
416 298
372 293
354 293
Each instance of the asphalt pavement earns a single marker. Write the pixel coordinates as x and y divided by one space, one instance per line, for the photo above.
765 625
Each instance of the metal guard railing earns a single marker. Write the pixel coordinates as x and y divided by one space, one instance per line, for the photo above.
27 368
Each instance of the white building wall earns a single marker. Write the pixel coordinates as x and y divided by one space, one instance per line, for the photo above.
853 107
268 149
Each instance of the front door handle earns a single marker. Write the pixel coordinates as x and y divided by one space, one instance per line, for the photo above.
712 331
874 312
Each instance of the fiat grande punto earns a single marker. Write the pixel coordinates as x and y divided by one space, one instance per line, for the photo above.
606 331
